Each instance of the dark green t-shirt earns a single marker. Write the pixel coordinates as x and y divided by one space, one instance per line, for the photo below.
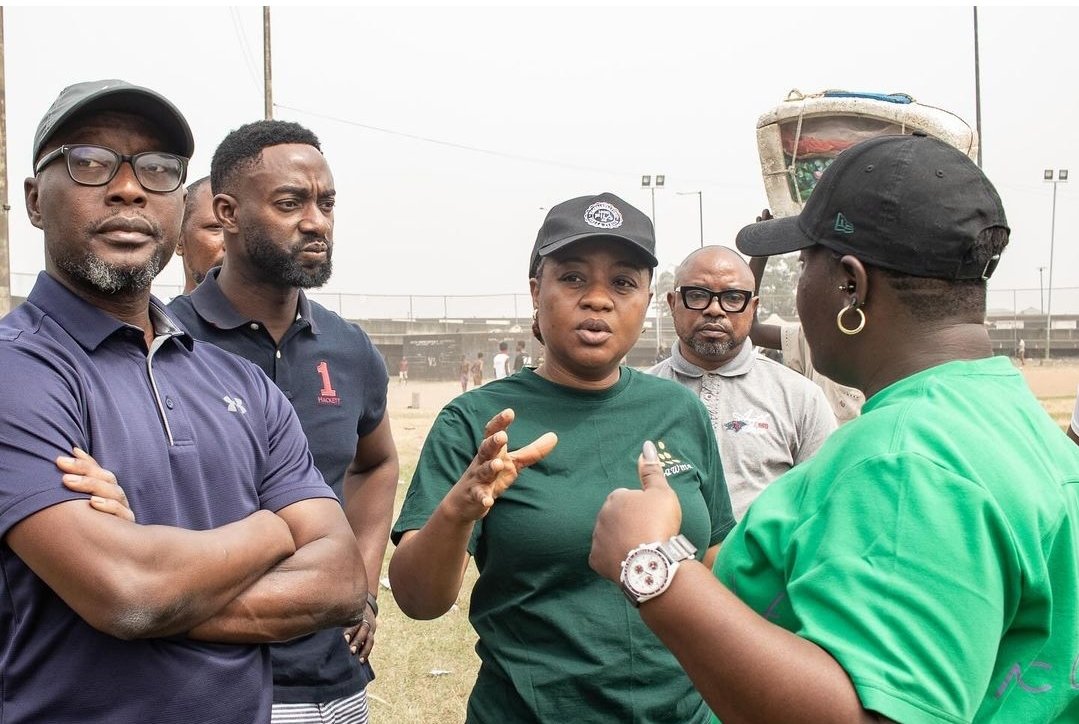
557 642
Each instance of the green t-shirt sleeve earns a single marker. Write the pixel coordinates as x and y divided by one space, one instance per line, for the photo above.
901 576
714 484
447 452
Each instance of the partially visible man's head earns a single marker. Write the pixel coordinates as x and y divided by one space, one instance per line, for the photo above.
109 163
275 197
201 246
713 306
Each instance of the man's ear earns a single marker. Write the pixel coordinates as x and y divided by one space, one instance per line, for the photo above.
30 190
670 301
225 210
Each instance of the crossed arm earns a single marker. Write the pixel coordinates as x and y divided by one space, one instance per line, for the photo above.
267 577
369 488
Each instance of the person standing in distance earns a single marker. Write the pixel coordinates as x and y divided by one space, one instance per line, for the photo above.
274 195
502 361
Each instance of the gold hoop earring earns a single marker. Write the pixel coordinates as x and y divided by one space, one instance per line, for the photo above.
852 307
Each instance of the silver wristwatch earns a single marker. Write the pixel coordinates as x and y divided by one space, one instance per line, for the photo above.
649 568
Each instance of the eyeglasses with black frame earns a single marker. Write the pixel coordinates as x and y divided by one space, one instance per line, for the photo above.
90 165
730 300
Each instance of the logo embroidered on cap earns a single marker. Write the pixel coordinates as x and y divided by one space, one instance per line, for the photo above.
842 225
603 216
235 404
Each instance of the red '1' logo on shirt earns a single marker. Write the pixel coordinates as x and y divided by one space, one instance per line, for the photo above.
327 395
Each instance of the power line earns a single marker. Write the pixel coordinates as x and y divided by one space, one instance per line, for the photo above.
489 151
234 13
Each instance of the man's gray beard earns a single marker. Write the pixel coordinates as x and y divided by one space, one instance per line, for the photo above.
107 279
712 350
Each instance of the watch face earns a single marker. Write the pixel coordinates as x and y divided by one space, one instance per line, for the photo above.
645 572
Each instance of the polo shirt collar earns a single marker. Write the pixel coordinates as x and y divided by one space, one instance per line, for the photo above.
89 325
212 305
735 367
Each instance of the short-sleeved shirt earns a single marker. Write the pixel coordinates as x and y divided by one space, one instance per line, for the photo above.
75 376
557 642
846 402
334 376
931 548
767 418
501 364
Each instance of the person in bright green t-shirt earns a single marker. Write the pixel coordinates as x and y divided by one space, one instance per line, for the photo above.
556 642
924 565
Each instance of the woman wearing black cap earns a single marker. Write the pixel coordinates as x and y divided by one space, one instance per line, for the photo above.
922 567
556 642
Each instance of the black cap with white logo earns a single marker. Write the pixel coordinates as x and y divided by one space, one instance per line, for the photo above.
589 217
913 204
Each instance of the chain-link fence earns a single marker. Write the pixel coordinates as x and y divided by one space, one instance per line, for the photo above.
1021 304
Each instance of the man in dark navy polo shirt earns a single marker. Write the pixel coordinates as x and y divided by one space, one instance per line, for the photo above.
274 196
236 540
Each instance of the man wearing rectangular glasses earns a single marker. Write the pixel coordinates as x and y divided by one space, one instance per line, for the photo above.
145 603
767 418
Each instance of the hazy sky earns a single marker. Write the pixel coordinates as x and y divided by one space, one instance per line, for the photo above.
526 107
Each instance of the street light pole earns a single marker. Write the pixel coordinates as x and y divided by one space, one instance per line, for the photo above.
700 209
1041 289
1061 177
646 183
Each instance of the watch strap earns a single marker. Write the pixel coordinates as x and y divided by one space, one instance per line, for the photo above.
678 548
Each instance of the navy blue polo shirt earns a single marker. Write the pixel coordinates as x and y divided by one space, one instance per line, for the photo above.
198 438
336 379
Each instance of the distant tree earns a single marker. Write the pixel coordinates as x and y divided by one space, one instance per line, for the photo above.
778 286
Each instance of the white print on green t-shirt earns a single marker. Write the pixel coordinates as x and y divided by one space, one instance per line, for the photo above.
1015 673
671 464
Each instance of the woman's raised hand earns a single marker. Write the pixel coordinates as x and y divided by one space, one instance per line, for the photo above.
494 468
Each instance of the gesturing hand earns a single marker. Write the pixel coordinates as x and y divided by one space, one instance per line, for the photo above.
494 468
629 518
84 475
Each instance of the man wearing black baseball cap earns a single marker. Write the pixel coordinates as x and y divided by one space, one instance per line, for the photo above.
146 602
922 567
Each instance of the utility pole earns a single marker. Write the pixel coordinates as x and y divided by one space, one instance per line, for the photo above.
977 89
5 261
700 209
1060 177
267 75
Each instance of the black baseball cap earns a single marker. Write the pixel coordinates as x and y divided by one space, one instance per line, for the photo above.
910 203
590 217
117 95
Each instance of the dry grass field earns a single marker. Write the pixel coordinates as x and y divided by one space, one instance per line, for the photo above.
426 668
